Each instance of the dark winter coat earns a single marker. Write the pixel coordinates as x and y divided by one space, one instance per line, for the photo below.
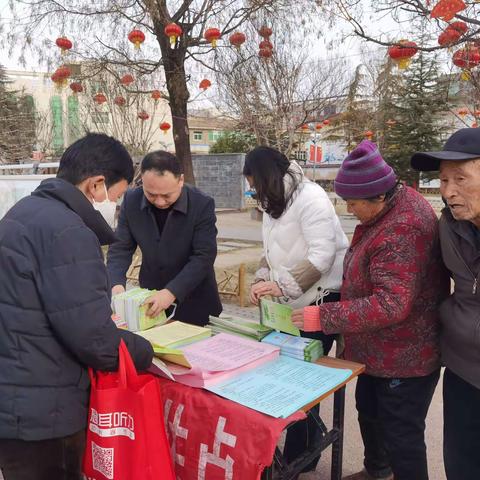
180 259
55 316
460 313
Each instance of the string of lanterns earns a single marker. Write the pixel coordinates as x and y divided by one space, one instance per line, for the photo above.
174 32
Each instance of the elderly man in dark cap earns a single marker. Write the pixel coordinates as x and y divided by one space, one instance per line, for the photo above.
459 169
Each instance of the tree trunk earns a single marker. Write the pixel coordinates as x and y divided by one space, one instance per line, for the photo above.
174 67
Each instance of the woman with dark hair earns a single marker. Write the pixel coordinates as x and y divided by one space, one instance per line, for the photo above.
304 246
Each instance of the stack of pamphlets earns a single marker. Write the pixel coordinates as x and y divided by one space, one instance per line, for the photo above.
175 334
301 348
219 358
130 309
119 322
238 326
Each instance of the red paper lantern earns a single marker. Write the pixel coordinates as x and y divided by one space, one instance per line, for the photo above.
266 44
326 122
127 79
402 52
56 79
173 31
305 128
477 113
64 44
204 84
64 72
237 39
265 53
137 37
156 95
447 9
76 87
212 35
60 76
119 101
318 126
143 115
368 134
265 32
463 112
165 127
459 26
474 125
467 58
449 37
99 98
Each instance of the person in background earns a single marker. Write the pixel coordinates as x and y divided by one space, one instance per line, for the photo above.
303 250
459 171
393 283
174 225
55 315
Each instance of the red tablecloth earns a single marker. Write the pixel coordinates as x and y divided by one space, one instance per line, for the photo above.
215 439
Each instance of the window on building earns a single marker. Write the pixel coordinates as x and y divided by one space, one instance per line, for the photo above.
198 135
214 135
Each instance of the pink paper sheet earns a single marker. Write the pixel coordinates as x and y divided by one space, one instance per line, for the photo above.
221 357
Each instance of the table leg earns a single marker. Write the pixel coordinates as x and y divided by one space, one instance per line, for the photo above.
338 422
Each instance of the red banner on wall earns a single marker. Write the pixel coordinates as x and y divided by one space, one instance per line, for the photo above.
315 153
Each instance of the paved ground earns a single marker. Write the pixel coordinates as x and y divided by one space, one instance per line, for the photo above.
238 225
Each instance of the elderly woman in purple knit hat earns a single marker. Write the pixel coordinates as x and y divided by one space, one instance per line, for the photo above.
393 282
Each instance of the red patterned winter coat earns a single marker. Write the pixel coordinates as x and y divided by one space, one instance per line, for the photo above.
394 281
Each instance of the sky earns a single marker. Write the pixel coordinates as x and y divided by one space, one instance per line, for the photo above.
333 42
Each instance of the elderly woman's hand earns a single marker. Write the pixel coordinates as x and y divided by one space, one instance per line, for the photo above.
297 318
307 319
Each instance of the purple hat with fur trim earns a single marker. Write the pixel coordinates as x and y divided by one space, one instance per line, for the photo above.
364 173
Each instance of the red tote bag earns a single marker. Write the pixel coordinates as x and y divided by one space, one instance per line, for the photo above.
126 437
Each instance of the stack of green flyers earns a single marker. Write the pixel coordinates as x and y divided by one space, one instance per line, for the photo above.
129 307
301 348
238 326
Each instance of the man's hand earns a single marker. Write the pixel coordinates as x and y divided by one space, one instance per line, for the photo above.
262 289
118 289
158 302
297 318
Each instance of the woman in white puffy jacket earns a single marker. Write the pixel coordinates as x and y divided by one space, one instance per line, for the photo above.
304 246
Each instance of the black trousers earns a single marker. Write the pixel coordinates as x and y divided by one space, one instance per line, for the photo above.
461 414
304 433
55 459
391 414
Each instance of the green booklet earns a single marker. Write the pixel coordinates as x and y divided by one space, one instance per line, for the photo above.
277 316
130 308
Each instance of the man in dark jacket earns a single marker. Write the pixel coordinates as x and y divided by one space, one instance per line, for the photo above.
55 316
174 226
459 165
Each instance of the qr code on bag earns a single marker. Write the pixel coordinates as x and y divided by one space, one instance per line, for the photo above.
103 460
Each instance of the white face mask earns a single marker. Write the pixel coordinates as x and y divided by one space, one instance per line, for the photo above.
107 208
